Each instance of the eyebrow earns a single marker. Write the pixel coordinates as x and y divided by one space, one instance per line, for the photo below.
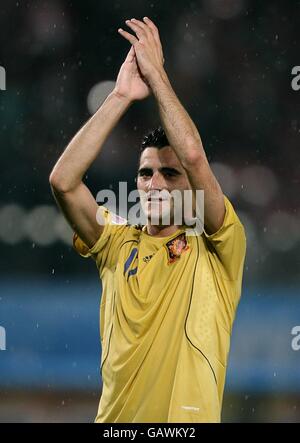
163 170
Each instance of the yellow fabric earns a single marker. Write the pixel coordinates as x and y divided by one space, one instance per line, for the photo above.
165 329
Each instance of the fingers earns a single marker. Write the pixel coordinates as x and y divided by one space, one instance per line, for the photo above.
141 30
155 34
147 25
140 24
145 28
131 38
130 55
153 28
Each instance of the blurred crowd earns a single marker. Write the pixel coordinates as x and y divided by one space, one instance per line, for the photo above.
230 63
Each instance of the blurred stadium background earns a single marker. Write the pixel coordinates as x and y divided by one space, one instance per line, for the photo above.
230 63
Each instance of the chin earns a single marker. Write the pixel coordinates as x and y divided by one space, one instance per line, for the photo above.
159 217
157 214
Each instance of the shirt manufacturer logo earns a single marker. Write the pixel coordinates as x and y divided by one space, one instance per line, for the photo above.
147 258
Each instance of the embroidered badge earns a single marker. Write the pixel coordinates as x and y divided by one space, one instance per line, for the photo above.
176 247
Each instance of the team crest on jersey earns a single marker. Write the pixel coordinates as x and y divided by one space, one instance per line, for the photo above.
176 247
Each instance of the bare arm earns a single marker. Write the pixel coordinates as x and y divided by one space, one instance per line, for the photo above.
185 140
72 195
179 127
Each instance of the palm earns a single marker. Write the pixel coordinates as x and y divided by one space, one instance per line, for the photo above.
130 82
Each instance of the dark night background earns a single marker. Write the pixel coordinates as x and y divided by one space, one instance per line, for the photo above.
230 63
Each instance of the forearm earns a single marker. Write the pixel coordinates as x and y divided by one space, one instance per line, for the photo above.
179 127
184 138
87 143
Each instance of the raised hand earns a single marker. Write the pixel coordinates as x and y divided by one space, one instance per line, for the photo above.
130 83
147 46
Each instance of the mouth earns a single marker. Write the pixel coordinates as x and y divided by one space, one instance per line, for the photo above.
152 199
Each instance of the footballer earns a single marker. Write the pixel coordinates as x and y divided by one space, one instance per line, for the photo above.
169 299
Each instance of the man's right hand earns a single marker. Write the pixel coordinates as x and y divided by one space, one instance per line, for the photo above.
130 83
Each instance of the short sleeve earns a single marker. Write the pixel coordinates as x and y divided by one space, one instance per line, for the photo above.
228 244
105 250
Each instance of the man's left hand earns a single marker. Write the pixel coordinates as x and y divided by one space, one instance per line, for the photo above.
147 46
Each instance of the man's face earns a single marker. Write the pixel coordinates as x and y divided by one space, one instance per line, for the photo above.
160 172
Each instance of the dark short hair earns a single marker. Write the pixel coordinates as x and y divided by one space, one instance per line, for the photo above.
155 139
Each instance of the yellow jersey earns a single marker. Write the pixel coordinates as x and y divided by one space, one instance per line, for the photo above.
166 316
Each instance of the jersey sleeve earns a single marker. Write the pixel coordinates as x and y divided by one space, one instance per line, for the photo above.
106 249
228 245
226 253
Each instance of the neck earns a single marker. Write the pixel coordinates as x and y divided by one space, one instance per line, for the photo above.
161 231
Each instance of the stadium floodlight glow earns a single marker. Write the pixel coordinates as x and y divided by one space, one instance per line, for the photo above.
40 225
226 177
253 180
98 94
63 230
11 224
282 231
225 10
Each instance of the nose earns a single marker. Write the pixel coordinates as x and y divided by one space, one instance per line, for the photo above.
157 182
